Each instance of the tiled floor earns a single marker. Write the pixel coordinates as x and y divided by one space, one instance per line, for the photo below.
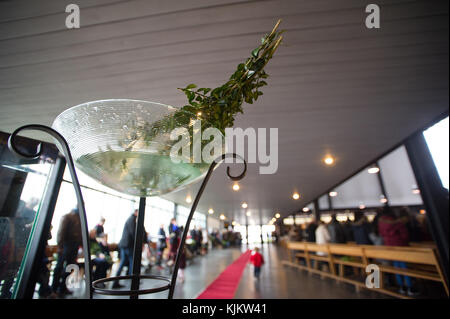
276 282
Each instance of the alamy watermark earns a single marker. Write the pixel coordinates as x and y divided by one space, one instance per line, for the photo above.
234 141
373 277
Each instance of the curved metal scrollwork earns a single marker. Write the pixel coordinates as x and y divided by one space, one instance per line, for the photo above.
84 227
194 207
66 151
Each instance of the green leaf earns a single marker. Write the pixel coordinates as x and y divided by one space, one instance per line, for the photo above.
191 86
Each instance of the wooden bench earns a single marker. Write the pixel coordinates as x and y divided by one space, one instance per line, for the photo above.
422 262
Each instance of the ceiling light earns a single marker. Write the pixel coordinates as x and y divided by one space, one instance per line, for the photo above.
222 217
415 190
211 211
305 209
199 113
329 160
296 196
333 194
373 169
422 211
248 213
188 199
244 205
277 215
233 223
383 199
362 206
236 187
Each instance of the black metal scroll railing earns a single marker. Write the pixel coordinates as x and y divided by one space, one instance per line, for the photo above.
169 284
66 152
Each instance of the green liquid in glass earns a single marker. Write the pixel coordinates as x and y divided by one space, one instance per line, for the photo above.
139 174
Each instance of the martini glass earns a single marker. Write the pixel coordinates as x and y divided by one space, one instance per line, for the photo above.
126 145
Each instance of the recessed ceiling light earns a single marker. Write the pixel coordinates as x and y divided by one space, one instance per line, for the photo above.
244 205
236 187
277 215
211 211
222 217
329 160
188 199
373 169
362 206
248 213
305 209
383 199
296 196
333 194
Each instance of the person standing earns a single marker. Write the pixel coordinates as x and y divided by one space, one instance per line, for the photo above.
126 246
162 244
69 240
361 229
395 233
99 228
257 260
174 234
336 231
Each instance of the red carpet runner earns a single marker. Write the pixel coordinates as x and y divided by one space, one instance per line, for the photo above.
224 287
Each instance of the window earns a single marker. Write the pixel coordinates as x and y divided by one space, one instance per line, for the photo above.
437 138
399 179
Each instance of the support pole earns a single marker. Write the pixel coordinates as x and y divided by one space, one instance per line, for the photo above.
435 197
316 210
137 252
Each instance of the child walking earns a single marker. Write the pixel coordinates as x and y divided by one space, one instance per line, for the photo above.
257 260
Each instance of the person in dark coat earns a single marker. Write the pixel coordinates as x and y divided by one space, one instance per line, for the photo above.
162 244
337 235
311 232
69 240
126 246
361 229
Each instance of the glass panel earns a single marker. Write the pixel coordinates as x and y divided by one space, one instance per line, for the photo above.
323 202
399 179
361 189
437 138
22 189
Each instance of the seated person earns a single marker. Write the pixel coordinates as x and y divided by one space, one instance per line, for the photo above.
102 262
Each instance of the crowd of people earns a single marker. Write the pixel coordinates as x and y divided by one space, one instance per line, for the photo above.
162 250
225 238
388 228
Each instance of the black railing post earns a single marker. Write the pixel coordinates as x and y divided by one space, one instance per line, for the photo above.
137 251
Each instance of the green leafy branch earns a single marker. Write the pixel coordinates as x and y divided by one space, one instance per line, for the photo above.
219 106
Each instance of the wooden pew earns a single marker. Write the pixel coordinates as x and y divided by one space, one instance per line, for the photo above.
363 255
